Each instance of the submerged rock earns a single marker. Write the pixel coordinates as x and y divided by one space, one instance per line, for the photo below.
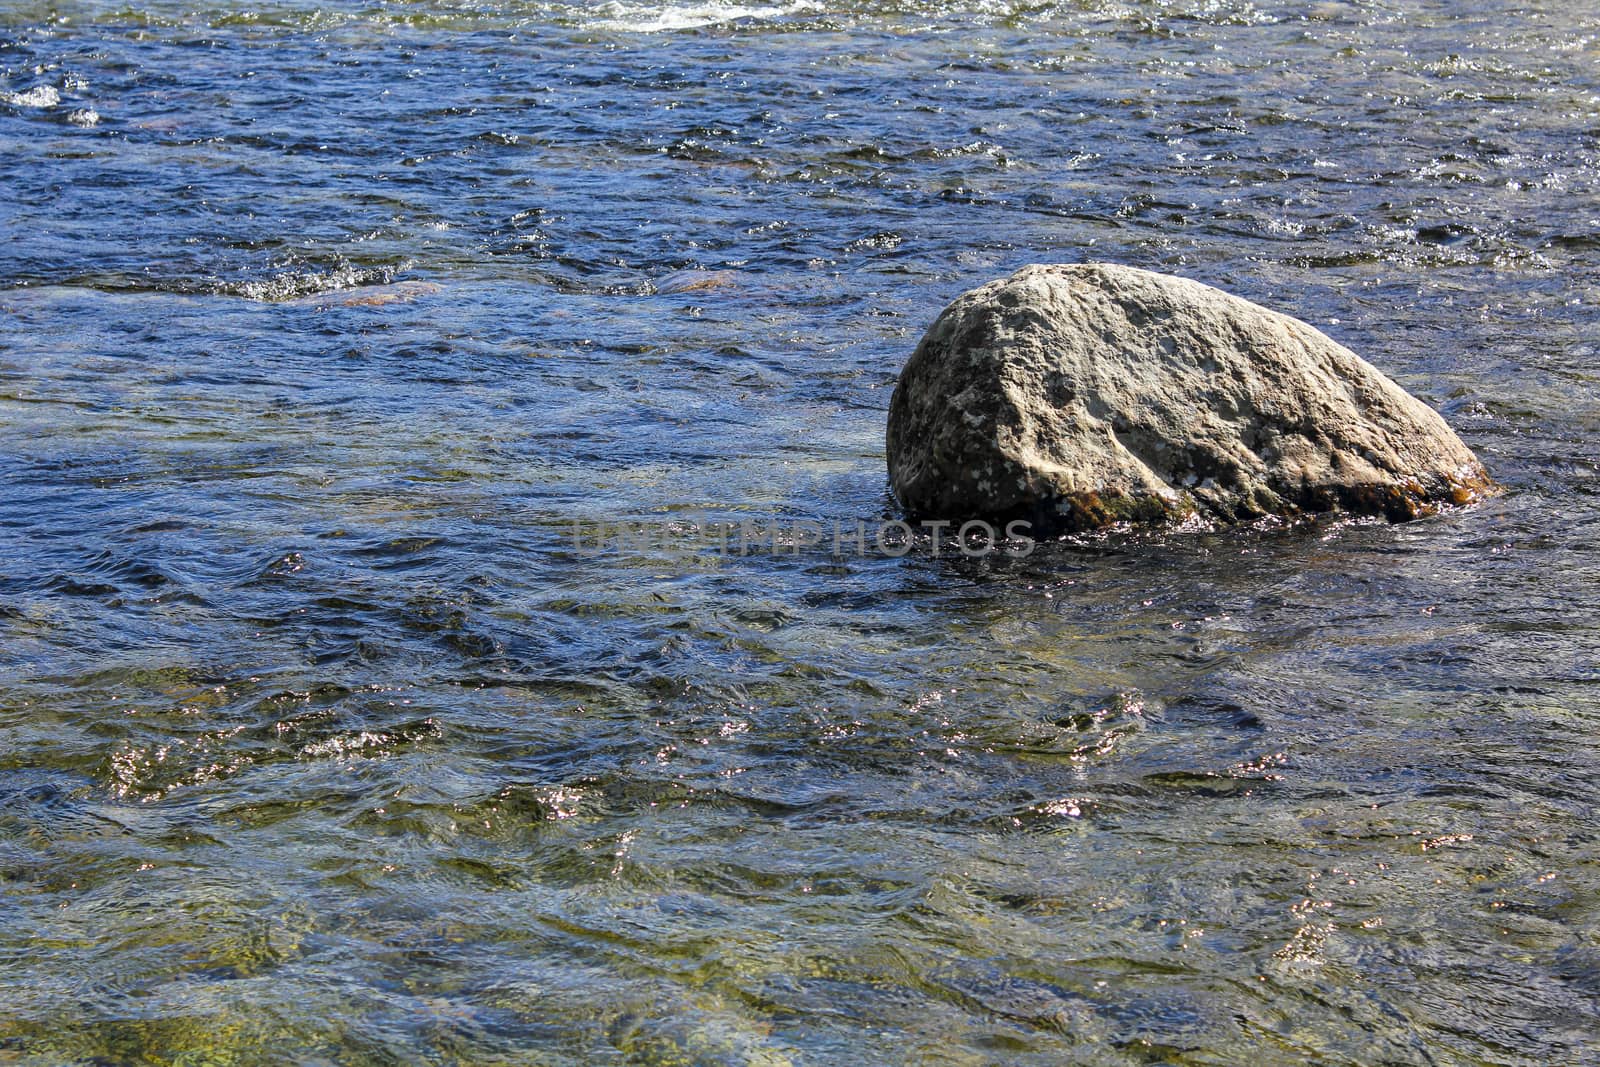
697 281
1081 396
366 295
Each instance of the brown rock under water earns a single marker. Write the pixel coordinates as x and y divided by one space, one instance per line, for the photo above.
697 281
368 295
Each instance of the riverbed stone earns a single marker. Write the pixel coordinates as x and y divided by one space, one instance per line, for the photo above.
367 295
1086 395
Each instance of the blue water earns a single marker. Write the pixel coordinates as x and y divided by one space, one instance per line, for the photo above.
326 330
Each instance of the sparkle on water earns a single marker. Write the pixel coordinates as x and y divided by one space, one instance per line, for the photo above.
321 741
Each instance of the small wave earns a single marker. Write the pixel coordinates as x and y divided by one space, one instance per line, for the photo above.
650 18
151 769
294 285
38 96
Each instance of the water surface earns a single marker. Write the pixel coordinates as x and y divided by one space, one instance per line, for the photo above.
322 740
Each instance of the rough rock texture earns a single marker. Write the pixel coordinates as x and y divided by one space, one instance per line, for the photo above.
1085 395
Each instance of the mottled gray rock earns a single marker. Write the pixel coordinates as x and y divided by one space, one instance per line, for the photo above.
1081 396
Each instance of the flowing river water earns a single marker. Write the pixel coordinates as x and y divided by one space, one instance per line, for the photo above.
327 736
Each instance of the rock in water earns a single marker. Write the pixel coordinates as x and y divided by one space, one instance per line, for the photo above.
366 296
1085 395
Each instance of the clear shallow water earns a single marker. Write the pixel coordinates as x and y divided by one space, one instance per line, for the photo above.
321 739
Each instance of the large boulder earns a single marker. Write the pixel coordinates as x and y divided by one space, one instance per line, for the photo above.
1081 396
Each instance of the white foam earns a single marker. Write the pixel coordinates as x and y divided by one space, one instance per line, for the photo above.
654 18
38 96
291 285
